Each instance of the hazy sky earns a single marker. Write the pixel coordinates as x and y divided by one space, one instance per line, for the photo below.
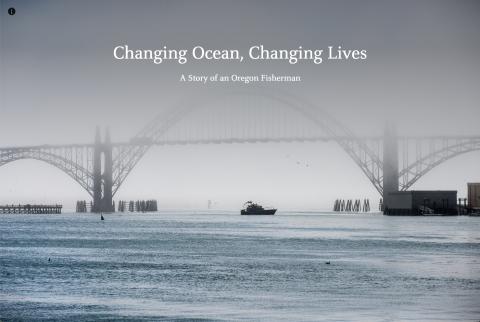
59 80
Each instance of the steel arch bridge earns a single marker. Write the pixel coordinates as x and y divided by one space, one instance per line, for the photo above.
201 112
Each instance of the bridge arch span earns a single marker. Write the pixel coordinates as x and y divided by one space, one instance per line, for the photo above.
367 159
426 163
70 167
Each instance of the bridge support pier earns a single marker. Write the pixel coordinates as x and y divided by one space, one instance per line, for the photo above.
390 162
102 182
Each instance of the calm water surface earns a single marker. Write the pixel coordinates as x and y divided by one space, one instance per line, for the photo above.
220 266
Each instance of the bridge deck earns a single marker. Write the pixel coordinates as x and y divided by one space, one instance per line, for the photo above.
236 140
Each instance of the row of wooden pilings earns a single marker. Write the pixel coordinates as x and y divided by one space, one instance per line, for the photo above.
137 206
133 206
340 205
82 206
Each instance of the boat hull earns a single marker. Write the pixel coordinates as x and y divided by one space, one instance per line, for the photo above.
260 212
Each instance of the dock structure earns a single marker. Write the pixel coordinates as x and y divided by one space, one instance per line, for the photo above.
422 203
31 209
473 196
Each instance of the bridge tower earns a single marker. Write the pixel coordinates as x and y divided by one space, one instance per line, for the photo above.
390 161
102 182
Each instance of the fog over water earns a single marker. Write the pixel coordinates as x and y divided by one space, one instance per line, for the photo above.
60 79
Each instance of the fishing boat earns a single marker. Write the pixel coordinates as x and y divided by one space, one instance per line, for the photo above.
250 208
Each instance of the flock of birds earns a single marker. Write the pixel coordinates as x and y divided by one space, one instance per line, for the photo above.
296 161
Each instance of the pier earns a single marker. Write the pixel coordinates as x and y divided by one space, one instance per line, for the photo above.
31 209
